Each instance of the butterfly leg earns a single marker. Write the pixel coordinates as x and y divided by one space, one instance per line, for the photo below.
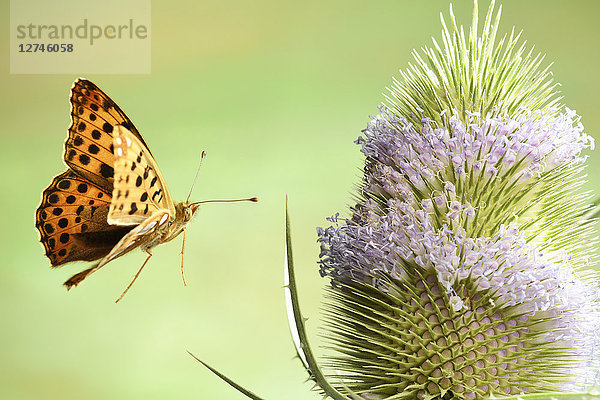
136 275
182 250
77 278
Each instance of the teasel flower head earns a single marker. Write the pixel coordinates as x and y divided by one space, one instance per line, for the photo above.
464 270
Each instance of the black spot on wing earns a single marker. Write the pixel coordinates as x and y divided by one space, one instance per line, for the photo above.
64 184
93 149
64 237
108 128
128 125
48 228
107 171
84 159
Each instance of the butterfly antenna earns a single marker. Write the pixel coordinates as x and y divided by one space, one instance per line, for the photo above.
252 199
197 173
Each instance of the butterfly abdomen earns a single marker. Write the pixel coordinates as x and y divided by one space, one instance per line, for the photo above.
104 239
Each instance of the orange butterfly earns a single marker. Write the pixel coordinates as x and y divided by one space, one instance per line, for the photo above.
112 198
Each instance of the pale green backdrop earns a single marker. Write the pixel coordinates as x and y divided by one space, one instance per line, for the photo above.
275 92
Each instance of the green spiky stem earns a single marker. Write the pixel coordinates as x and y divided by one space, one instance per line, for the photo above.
297 323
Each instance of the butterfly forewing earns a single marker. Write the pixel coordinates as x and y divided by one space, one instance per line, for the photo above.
89 147
72 220
139 188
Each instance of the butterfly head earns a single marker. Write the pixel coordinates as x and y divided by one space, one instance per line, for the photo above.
192 208
184 211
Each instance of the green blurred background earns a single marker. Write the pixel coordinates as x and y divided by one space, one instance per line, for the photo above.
275 92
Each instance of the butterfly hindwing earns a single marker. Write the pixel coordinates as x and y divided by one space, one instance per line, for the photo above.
139 188
89 147
72 220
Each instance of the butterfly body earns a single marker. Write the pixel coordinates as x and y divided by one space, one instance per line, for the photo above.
112 198
160 227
